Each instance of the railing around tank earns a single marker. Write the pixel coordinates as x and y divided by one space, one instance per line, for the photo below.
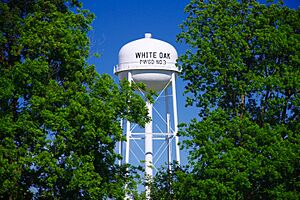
118 68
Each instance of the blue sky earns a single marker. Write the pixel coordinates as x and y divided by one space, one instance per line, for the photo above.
118 22
121 21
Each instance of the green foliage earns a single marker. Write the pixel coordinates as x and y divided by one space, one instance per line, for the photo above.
242 72
59 119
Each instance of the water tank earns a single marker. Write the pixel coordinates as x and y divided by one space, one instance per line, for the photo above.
149 60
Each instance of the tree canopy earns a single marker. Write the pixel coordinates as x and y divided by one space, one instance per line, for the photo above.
59 119
242 72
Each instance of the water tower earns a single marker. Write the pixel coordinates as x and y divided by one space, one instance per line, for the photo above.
152 62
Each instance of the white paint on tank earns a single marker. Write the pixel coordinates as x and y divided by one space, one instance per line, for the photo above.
150 61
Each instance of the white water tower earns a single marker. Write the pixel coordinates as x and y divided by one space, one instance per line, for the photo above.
152 62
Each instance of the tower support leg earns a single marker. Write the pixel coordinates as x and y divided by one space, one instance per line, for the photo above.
128 134
175 118
148 150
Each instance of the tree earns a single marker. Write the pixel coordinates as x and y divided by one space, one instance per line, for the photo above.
242 72
59 119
